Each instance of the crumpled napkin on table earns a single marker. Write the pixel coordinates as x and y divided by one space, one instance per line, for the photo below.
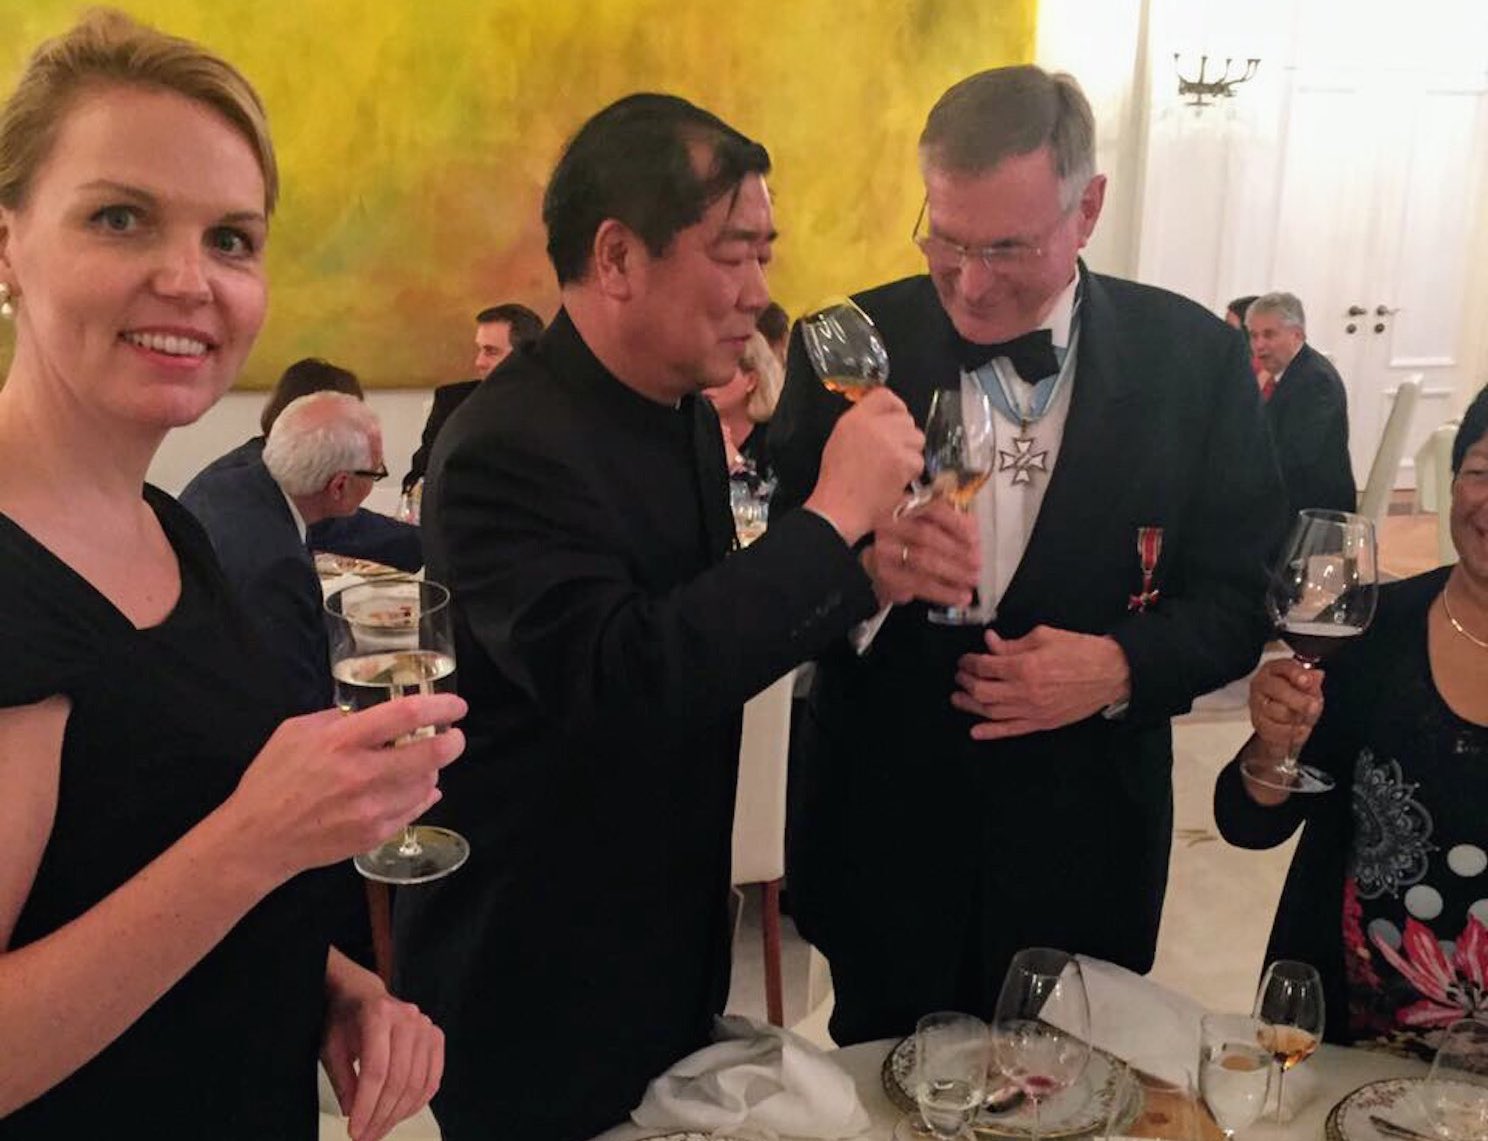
759 1080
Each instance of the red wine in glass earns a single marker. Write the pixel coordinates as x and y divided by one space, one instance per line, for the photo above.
1321 596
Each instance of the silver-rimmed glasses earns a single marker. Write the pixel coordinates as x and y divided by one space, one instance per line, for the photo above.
942 253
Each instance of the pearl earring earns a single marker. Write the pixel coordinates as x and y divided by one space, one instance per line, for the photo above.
7 307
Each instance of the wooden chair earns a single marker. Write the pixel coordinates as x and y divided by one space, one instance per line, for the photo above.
759 820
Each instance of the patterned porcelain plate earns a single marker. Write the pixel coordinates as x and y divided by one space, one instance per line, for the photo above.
1083 1108
1392 1100
690 1137
329 565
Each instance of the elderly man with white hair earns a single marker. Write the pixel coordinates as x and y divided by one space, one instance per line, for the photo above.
1308 408
323 454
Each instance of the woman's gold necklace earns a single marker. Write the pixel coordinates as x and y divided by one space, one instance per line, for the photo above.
1458 626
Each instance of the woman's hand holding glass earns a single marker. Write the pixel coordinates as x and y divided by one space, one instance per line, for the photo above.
326 786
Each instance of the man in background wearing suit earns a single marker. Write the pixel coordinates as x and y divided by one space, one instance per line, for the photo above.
609 631
971 790
499 331
322 456
1307 410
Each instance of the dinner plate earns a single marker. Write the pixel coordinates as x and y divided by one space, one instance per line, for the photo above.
1083 1108
329 565
690 1137
1394 1100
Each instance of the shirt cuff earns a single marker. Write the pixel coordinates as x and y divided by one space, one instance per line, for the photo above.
861 636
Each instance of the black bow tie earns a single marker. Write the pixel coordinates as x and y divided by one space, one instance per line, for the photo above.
1031 355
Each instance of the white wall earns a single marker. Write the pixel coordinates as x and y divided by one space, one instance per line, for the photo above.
235 418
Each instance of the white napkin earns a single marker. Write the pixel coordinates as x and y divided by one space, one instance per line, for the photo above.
1135 1018
756 1080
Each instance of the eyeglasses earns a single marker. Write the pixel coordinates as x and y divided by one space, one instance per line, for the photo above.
376 476
942 253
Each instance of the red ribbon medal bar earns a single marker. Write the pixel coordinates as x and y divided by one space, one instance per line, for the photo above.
1149 548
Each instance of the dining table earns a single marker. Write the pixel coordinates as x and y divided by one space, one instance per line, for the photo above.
1143 1022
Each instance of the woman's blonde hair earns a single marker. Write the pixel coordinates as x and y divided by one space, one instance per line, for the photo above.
108 47
760 360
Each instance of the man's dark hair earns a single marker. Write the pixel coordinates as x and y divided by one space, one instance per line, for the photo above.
1474 426
526 326
774 323
1240 306
635 162
301 379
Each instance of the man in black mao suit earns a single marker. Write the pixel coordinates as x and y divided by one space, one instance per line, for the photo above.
318 463
1307 410
608 634
500 330
966 792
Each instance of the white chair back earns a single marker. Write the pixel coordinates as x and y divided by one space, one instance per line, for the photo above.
759 806
1376 497
1441 447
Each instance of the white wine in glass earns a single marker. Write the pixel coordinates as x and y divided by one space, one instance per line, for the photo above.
1321 596
392 638
958 462
1289 1008
845 348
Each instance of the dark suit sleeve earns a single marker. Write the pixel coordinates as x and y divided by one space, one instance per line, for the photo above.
369 535
1211 624
803 419
542 571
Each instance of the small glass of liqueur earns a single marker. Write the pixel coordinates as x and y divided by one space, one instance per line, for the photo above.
845 348
1289 1008
1321 596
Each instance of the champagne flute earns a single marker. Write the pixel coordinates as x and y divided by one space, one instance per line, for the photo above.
1322 594
1455 1096
949 1077
392 638
845 348
1234 1070
1289 1007
1041 1028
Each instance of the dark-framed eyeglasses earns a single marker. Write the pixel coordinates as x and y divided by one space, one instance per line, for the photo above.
376 476
942 253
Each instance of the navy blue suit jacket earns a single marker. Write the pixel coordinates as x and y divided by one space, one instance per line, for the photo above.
268 566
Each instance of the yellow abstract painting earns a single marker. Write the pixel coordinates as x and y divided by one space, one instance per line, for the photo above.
415 138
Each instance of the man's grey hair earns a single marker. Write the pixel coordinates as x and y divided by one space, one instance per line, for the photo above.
317 436
1287 306
1010 111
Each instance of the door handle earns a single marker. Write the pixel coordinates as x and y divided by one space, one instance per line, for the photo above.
1385 311
1357 311
1379 326
1351 328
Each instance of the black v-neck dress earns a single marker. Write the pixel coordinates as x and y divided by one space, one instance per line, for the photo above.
164 721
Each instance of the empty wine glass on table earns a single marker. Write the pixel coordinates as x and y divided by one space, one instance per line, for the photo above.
1454 1097
1041 1028
845 348
1234 1070
392 638
1289 1008
1321 595
949 1077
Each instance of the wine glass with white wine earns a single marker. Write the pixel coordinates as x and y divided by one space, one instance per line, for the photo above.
1289 1009
845 348
392 638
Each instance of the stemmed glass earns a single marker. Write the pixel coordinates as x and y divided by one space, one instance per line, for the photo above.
1041 1029
1289 1008
1455 1096
392 638
845 348
1322 593
1234 1070
949 1076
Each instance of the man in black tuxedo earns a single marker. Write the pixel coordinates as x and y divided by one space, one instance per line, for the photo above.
970 790
322 456
1307 410
609 631
500 330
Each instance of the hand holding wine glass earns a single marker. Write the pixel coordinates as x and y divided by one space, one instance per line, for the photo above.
1289 1008
1455 1096
845 348
1041 1029
1321 594
392 638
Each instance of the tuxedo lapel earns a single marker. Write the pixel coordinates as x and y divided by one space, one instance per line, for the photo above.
1093 456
